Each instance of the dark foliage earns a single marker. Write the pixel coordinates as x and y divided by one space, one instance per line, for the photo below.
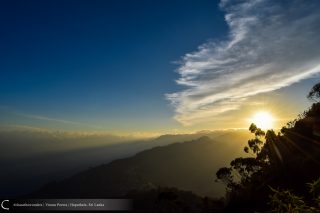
167 200
285 160
314 93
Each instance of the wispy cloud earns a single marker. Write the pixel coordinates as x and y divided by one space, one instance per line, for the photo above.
39 117
55 120
12 112
271 44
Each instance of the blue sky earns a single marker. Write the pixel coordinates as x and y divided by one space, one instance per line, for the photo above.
112 65
106 63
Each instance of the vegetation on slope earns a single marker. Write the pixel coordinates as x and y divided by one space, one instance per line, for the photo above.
285 161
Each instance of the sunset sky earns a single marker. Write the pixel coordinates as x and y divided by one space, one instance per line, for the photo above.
155 66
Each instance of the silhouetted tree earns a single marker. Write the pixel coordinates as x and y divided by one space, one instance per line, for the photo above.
314 93
286 160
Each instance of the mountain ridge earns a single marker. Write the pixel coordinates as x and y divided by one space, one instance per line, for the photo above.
189 165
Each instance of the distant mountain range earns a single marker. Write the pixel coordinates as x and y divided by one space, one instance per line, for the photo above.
189 166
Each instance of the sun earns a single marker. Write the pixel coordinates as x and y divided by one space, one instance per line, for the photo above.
263 120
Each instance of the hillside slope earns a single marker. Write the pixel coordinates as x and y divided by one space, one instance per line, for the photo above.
187 166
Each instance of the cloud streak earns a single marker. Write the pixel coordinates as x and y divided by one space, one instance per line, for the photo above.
270 45
55 120
8 111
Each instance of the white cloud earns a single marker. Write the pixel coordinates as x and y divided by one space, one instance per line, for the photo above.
271 44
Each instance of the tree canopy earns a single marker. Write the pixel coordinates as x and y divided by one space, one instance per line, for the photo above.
278 166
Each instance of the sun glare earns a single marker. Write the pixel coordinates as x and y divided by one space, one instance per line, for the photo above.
263 120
